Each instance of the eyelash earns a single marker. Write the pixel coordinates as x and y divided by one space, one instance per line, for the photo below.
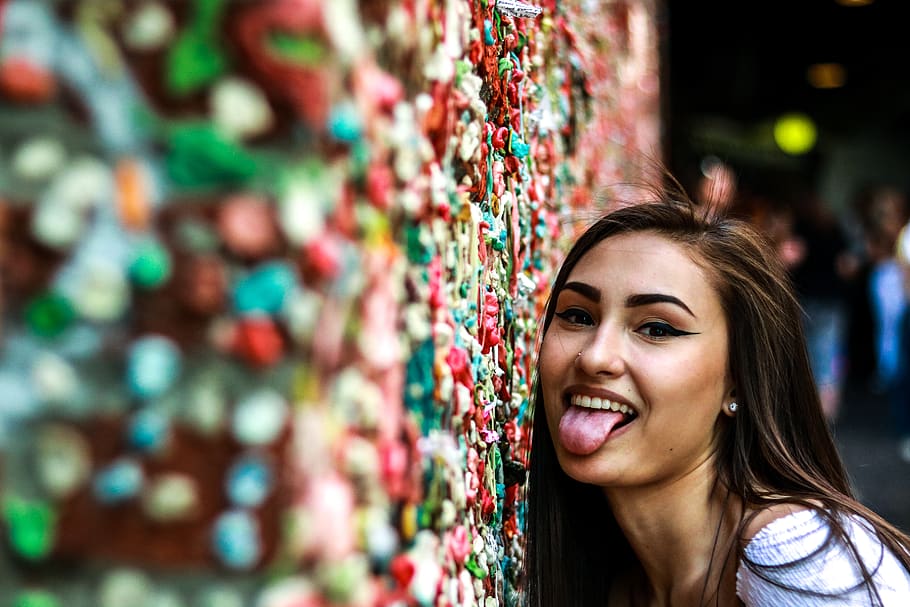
571 315
669 330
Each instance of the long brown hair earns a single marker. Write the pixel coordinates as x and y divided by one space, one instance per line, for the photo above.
777 450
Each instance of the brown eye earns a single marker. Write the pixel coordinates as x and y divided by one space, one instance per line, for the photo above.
659 330
575 316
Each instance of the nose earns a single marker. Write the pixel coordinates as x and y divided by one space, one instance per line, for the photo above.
604 355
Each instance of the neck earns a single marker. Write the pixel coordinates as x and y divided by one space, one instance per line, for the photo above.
682 533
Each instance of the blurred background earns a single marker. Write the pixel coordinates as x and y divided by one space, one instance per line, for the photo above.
794 115
271 272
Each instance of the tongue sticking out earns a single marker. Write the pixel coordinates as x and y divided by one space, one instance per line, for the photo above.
582 431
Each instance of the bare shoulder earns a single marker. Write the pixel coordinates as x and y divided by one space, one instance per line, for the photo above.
762 517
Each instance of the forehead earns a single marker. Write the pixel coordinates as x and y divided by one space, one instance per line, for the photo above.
645 262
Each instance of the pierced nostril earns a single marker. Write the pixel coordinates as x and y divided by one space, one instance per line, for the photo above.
598 362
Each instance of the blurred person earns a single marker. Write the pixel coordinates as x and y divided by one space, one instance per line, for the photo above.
900 402
860 341
885 214
717 186
884 211
766 211
821 276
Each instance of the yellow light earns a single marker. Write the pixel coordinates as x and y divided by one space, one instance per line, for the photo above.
854 2
827 75
795 133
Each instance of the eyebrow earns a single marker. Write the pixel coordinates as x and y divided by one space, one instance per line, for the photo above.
632 301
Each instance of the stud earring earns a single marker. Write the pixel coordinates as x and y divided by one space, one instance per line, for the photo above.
733 407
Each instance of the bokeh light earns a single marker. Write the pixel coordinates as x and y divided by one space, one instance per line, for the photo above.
826 75
795 133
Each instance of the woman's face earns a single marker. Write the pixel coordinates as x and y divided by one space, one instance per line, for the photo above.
652 338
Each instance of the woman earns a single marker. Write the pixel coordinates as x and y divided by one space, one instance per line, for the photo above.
679 452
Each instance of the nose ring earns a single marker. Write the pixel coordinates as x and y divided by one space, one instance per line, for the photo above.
577 356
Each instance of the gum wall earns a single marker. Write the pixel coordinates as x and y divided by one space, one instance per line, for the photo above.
271 274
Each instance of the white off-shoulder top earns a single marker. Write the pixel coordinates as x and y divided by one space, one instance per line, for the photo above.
795 551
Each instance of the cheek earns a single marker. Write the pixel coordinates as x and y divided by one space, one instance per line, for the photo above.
552 363
548 357
554 357
546 363
560 343
698 379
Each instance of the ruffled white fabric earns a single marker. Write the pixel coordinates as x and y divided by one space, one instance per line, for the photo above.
818 565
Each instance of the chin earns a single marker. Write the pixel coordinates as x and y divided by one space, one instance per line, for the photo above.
585 469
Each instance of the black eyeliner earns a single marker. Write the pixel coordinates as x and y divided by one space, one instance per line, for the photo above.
670 329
